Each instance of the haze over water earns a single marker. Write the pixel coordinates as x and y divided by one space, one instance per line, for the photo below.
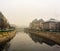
21 13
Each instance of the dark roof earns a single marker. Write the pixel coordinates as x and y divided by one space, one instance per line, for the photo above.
52 21
41 20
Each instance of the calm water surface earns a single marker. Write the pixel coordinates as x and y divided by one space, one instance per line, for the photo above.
28 42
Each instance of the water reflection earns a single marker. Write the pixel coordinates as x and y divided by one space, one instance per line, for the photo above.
42 40
28 42
5 47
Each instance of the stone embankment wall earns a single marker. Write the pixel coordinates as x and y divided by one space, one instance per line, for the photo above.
6 36
55 36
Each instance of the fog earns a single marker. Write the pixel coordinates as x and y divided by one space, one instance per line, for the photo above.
22 12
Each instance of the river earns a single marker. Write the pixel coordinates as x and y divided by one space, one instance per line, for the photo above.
29 42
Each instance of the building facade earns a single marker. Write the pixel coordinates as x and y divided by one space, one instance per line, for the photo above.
50 25
37 24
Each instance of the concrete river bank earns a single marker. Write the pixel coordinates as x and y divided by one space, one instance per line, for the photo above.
30 42
54 36
6 36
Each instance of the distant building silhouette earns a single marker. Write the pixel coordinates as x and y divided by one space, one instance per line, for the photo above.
50 25
37 24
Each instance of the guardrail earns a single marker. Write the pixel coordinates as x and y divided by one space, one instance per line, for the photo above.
7 30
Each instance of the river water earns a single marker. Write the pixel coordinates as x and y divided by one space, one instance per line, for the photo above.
30 42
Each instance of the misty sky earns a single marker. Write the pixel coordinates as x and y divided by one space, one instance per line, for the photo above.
22 12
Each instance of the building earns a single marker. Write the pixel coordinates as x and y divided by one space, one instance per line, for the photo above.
58 26
34 24
51 25
37 24
41 21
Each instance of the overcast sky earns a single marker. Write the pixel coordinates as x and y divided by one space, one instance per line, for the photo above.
22 12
